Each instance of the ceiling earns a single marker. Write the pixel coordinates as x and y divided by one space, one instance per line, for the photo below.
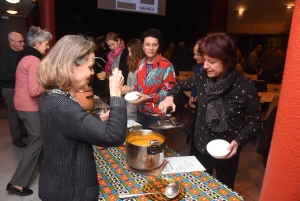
259 16
23 8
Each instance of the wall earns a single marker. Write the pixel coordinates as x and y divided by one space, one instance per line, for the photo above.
267 16
17 24
281 180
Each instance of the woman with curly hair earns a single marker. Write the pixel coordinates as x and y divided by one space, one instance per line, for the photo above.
135 53
155 77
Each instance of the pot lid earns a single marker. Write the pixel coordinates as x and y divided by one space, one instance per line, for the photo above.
167 122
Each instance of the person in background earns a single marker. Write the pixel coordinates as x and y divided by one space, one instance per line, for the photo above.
253 60
117 57
238 55
102 52
8 65
182 58
69 169
240 65
197 69
224 98
168 53
155 77
270 60
136 53
26 101
102 47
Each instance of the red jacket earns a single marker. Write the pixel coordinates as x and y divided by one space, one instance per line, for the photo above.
160 79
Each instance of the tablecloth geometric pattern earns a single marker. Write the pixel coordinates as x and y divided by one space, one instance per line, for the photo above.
114 179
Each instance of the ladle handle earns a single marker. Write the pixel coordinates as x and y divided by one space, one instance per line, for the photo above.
126 195
88 97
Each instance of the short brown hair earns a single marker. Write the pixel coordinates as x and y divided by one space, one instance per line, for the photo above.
221 46
137 53
56 69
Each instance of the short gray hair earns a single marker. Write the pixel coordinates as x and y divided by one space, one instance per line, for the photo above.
36 34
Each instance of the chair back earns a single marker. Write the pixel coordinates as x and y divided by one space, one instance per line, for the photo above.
260 85
251 76
273 88
186 73
273 103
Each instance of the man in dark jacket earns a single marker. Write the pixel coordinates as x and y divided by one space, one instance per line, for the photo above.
182 58
8 65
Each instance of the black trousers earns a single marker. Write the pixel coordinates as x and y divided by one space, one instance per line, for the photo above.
226 169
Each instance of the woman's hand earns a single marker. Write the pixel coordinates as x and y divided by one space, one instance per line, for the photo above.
232 148
126 89
143 98
116 81
165 104
104 117
191 102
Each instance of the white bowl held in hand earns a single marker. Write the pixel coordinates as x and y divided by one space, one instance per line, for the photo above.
132 97
218 148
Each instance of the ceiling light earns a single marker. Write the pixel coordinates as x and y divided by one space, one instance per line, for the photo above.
12 12
289 7
13 1
240 11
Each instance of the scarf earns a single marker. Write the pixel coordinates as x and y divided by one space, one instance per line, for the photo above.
111 57
29 51
215 113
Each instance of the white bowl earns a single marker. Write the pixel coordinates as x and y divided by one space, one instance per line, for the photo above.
218 148
132 97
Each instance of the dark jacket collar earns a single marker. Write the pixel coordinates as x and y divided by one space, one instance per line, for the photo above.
30 51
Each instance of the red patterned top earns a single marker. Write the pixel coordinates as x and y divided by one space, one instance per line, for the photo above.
156 84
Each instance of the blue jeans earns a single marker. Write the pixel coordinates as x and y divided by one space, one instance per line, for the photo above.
147 120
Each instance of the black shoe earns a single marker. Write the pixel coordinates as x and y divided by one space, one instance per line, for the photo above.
24 192
19 143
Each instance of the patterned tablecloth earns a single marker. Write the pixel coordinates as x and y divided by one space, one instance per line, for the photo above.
114 179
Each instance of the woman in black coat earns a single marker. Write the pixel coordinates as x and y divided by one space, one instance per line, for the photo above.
225 97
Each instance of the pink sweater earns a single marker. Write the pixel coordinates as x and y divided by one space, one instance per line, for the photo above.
27 89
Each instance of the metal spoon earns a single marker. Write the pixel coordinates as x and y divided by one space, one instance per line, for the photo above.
171 191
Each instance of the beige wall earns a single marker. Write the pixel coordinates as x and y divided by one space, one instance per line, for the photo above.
266 16
17 24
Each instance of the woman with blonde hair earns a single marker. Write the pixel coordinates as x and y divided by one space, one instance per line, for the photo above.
117 56
69 169
136 53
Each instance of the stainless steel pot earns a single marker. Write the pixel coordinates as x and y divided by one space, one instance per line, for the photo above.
144 149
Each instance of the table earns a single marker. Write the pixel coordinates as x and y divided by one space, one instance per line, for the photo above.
267 97
114 179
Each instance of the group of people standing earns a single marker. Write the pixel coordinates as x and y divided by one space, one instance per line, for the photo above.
68 170
268 65
22 92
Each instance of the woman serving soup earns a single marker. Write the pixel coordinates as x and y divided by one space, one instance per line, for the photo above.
224 98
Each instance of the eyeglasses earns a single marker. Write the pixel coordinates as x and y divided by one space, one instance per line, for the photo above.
19 41
154 45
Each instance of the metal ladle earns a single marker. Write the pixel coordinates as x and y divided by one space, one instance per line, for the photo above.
171 191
